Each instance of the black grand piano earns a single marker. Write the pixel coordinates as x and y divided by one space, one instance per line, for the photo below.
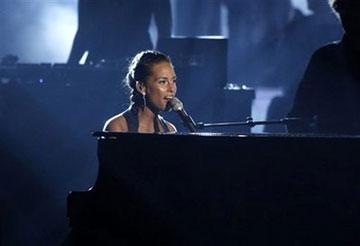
212 189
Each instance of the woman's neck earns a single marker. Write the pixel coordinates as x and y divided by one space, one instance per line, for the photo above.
147 119
146 114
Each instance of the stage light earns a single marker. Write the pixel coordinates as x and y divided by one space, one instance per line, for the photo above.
59 24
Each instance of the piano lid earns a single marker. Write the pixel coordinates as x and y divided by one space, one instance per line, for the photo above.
114 135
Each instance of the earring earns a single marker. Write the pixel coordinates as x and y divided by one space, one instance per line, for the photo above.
144 99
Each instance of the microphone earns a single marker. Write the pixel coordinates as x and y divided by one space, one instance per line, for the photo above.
178 107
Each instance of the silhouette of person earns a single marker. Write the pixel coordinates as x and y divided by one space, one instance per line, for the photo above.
112 30
329 94
197 17
302 36
254 28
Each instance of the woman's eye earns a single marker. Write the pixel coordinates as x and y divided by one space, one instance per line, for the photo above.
162 81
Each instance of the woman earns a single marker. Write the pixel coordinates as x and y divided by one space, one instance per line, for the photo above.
152 81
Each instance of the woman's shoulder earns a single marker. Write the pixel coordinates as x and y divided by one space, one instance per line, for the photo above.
328 51
169 125
116 123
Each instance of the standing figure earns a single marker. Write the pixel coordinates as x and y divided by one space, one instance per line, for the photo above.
254 30
114 30
302 36
328 96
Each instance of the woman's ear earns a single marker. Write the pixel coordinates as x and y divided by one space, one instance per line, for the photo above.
140 87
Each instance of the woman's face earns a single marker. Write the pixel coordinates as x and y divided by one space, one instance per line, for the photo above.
160 86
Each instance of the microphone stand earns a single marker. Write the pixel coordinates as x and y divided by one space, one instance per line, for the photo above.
249 122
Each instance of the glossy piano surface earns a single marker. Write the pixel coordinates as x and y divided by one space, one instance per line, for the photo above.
214 189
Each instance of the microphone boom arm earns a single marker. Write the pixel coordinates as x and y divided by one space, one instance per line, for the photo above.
249 122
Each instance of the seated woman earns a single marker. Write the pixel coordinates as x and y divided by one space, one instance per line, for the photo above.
152 81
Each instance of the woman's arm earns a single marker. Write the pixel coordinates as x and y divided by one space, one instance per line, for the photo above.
116 124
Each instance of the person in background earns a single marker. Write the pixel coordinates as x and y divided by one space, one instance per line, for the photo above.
255 28
152 81
111 31
328 97
302 36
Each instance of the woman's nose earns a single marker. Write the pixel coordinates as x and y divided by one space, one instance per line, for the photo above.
172 87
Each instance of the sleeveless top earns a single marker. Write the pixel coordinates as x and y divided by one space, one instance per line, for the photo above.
131 117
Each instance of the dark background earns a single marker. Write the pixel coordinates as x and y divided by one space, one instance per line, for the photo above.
48 110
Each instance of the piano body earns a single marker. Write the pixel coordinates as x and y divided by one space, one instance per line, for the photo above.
212 189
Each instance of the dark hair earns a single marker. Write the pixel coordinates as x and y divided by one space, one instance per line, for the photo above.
140 69
338 5
334 4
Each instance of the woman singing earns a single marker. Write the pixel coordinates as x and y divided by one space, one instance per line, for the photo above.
152 81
